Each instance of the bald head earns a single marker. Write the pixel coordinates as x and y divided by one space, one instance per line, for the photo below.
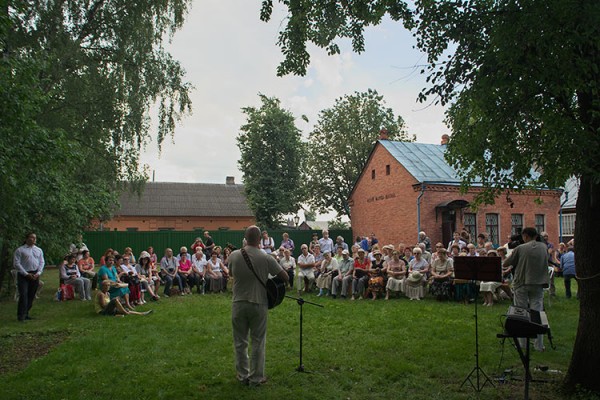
252 235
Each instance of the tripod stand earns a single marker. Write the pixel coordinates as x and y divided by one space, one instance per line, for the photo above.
477 369
301 302
477 269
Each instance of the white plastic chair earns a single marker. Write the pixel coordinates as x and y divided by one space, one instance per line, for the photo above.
547 289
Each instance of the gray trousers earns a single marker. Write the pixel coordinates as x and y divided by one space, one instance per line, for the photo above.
335 284
83 286
532 297
249 319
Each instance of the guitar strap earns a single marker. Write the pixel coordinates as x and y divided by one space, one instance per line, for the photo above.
249 264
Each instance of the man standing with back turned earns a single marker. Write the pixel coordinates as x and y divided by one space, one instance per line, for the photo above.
28 261
530 266
250 307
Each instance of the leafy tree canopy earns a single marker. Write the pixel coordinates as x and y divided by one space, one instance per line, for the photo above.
79 79
340 144
521 78
272 156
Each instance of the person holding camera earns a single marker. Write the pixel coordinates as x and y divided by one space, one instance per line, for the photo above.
530 274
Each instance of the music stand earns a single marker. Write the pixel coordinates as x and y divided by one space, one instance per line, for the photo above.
473 269
301 302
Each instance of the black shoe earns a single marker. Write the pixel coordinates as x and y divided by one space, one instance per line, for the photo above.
333 296
28 317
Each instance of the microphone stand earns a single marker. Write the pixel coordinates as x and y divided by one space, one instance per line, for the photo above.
301 302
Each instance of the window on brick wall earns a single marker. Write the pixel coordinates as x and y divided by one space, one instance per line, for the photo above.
387 169
131 229
166 229
516 224
372 174
492 228
568 224
470 222
540 220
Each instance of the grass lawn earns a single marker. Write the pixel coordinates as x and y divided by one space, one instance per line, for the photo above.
352 349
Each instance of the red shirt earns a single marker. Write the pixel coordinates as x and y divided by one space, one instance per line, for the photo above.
185 265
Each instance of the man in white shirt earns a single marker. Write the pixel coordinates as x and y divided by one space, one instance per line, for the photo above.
306 265
326 243
29 263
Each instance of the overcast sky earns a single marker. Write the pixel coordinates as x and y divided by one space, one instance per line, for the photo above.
230 56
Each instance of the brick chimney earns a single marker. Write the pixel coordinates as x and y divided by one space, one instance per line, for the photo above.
383 134
230 180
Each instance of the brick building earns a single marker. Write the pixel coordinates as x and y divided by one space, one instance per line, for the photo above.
183 207
408 187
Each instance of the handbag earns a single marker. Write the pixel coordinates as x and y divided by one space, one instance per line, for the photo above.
66 292
275 286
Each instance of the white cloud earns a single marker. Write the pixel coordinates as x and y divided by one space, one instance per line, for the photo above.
230 56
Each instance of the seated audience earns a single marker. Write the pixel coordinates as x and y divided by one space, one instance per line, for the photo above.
344 277
305 275
168 272
396 271
288 263
69 273
186 274
129 275
360 277
418 270
148 278
86 268
329 267
376 275
215 273
108 272
441 275
198 265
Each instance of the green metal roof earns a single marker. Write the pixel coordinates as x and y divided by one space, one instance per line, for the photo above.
425 162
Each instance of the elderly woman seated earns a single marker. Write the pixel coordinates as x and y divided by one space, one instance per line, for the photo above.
418 270
329 268
441 275
396 272
376 275
215 272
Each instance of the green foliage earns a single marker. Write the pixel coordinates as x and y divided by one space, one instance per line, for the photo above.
78 81
322 22
337 223
340 144
272 156
522 79
310 215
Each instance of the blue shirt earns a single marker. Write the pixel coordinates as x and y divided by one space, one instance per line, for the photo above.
567 263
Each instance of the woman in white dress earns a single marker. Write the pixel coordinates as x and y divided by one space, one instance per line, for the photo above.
396 272
418 269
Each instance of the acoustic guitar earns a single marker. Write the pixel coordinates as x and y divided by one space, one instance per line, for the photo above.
275 291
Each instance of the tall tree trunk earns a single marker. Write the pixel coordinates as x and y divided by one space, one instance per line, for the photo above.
585 360
4 265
